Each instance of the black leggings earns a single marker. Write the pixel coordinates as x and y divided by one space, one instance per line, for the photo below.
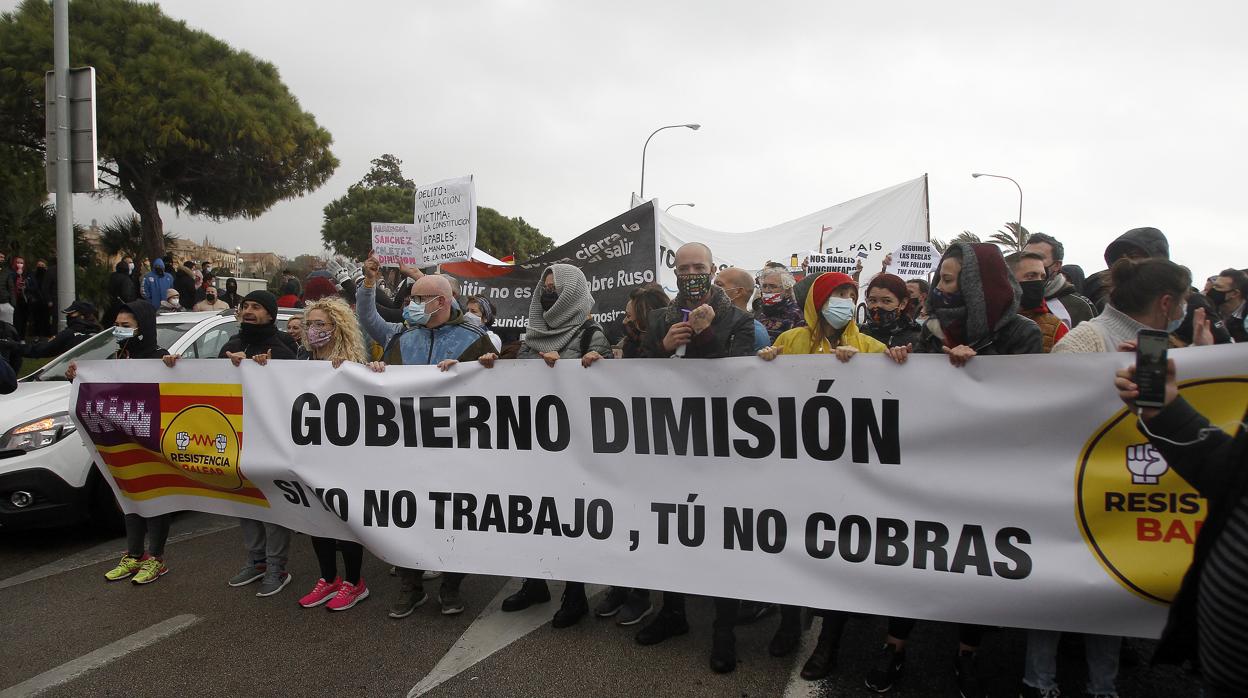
725 609
833 621
969 635
327 557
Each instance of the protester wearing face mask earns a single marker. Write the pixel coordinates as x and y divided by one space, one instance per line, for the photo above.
481 310
830 329
778 310
830 326
15 287
1146 294
974 311
433 332
1060 295
157 283
80 325
1028 269
1229 295
121 289
333 335
700 323
642 302
211 301
135 332
559 328
172 302
887 312
738 285
918 290
231 296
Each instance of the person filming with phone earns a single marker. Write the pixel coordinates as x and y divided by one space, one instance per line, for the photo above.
1210 613
1147 294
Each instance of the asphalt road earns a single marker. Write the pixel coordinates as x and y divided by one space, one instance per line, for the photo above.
69 632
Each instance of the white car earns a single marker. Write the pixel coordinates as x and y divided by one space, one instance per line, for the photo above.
46 474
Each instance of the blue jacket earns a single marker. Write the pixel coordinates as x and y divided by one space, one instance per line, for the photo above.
154 287
420 346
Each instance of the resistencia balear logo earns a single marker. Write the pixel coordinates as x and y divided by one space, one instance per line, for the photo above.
201 442
1138 516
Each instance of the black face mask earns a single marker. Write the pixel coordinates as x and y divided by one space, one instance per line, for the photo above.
1033 294
1216 297
548 299
882 318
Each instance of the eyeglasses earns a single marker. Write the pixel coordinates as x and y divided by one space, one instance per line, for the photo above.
320 325
424 299
771 288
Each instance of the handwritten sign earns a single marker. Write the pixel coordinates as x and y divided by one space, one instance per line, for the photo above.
823 263
396 243
446 220
914 260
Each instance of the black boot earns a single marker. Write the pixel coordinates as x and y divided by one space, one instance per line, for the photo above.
572 609
789 635
723 651
667 624
822 661
531 592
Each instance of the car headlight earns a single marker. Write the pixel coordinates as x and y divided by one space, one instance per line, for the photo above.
39 433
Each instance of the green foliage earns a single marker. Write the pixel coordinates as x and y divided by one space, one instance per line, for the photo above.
964 236
347 229
183 118
502 236
385 196
1012 239
23 201
124 236
387 172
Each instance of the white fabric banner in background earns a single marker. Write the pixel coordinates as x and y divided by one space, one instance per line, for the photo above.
875 223
1015 491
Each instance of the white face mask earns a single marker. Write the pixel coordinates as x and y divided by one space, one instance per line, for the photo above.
121 334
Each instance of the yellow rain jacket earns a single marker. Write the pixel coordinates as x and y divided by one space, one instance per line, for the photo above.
800 340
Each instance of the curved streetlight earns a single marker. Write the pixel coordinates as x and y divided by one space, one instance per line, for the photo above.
642 194
1020 192
675 205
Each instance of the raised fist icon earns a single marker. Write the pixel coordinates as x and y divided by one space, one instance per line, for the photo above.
183 440
221 443
1146 464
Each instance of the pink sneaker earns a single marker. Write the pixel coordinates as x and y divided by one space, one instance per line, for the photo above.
322 592
348 595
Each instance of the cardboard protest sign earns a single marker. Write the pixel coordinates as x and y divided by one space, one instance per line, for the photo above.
395 244
914 260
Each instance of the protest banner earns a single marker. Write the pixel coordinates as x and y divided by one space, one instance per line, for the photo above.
616 257
397 243
914 260
821 263
919 490
872 224
446 220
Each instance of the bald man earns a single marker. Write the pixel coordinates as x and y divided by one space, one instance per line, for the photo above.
738 285
434 332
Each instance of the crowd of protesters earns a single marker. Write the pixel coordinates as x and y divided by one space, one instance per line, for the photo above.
979 302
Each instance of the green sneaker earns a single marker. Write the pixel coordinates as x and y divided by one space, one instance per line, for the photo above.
128 566
150 570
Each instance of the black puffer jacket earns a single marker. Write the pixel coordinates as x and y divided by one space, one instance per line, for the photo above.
731 332
76 331
259 339
1149 240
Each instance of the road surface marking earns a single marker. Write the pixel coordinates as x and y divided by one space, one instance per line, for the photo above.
490 632
797 686
105 655
108 550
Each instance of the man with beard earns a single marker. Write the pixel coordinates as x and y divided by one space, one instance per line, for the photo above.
1060 295
258 338
1229 297
701 323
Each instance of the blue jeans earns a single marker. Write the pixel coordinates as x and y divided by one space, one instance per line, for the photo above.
1102 656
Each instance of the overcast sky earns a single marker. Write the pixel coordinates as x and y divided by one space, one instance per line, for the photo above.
1110 115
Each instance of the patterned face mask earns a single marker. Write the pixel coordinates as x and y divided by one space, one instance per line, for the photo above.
694 286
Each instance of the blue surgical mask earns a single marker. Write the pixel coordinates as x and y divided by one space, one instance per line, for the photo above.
1173 325
415 314
838 311
121 334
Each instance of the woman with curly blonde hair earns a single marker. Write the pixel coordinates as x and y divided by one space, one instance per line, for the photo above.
331 333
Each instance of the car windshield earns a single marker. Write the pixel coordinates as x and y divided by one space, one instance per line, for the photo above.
102 346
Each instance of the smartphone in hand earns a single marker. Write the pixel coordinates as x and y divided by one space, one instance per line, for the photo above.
1150 367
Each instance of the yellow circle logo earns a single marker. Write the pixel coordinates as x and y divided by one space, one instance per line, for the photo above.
1139 517
201 442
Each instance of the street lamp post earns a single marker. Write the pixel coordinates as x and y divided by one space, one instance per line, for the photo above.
675 205
642 194
1020 193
